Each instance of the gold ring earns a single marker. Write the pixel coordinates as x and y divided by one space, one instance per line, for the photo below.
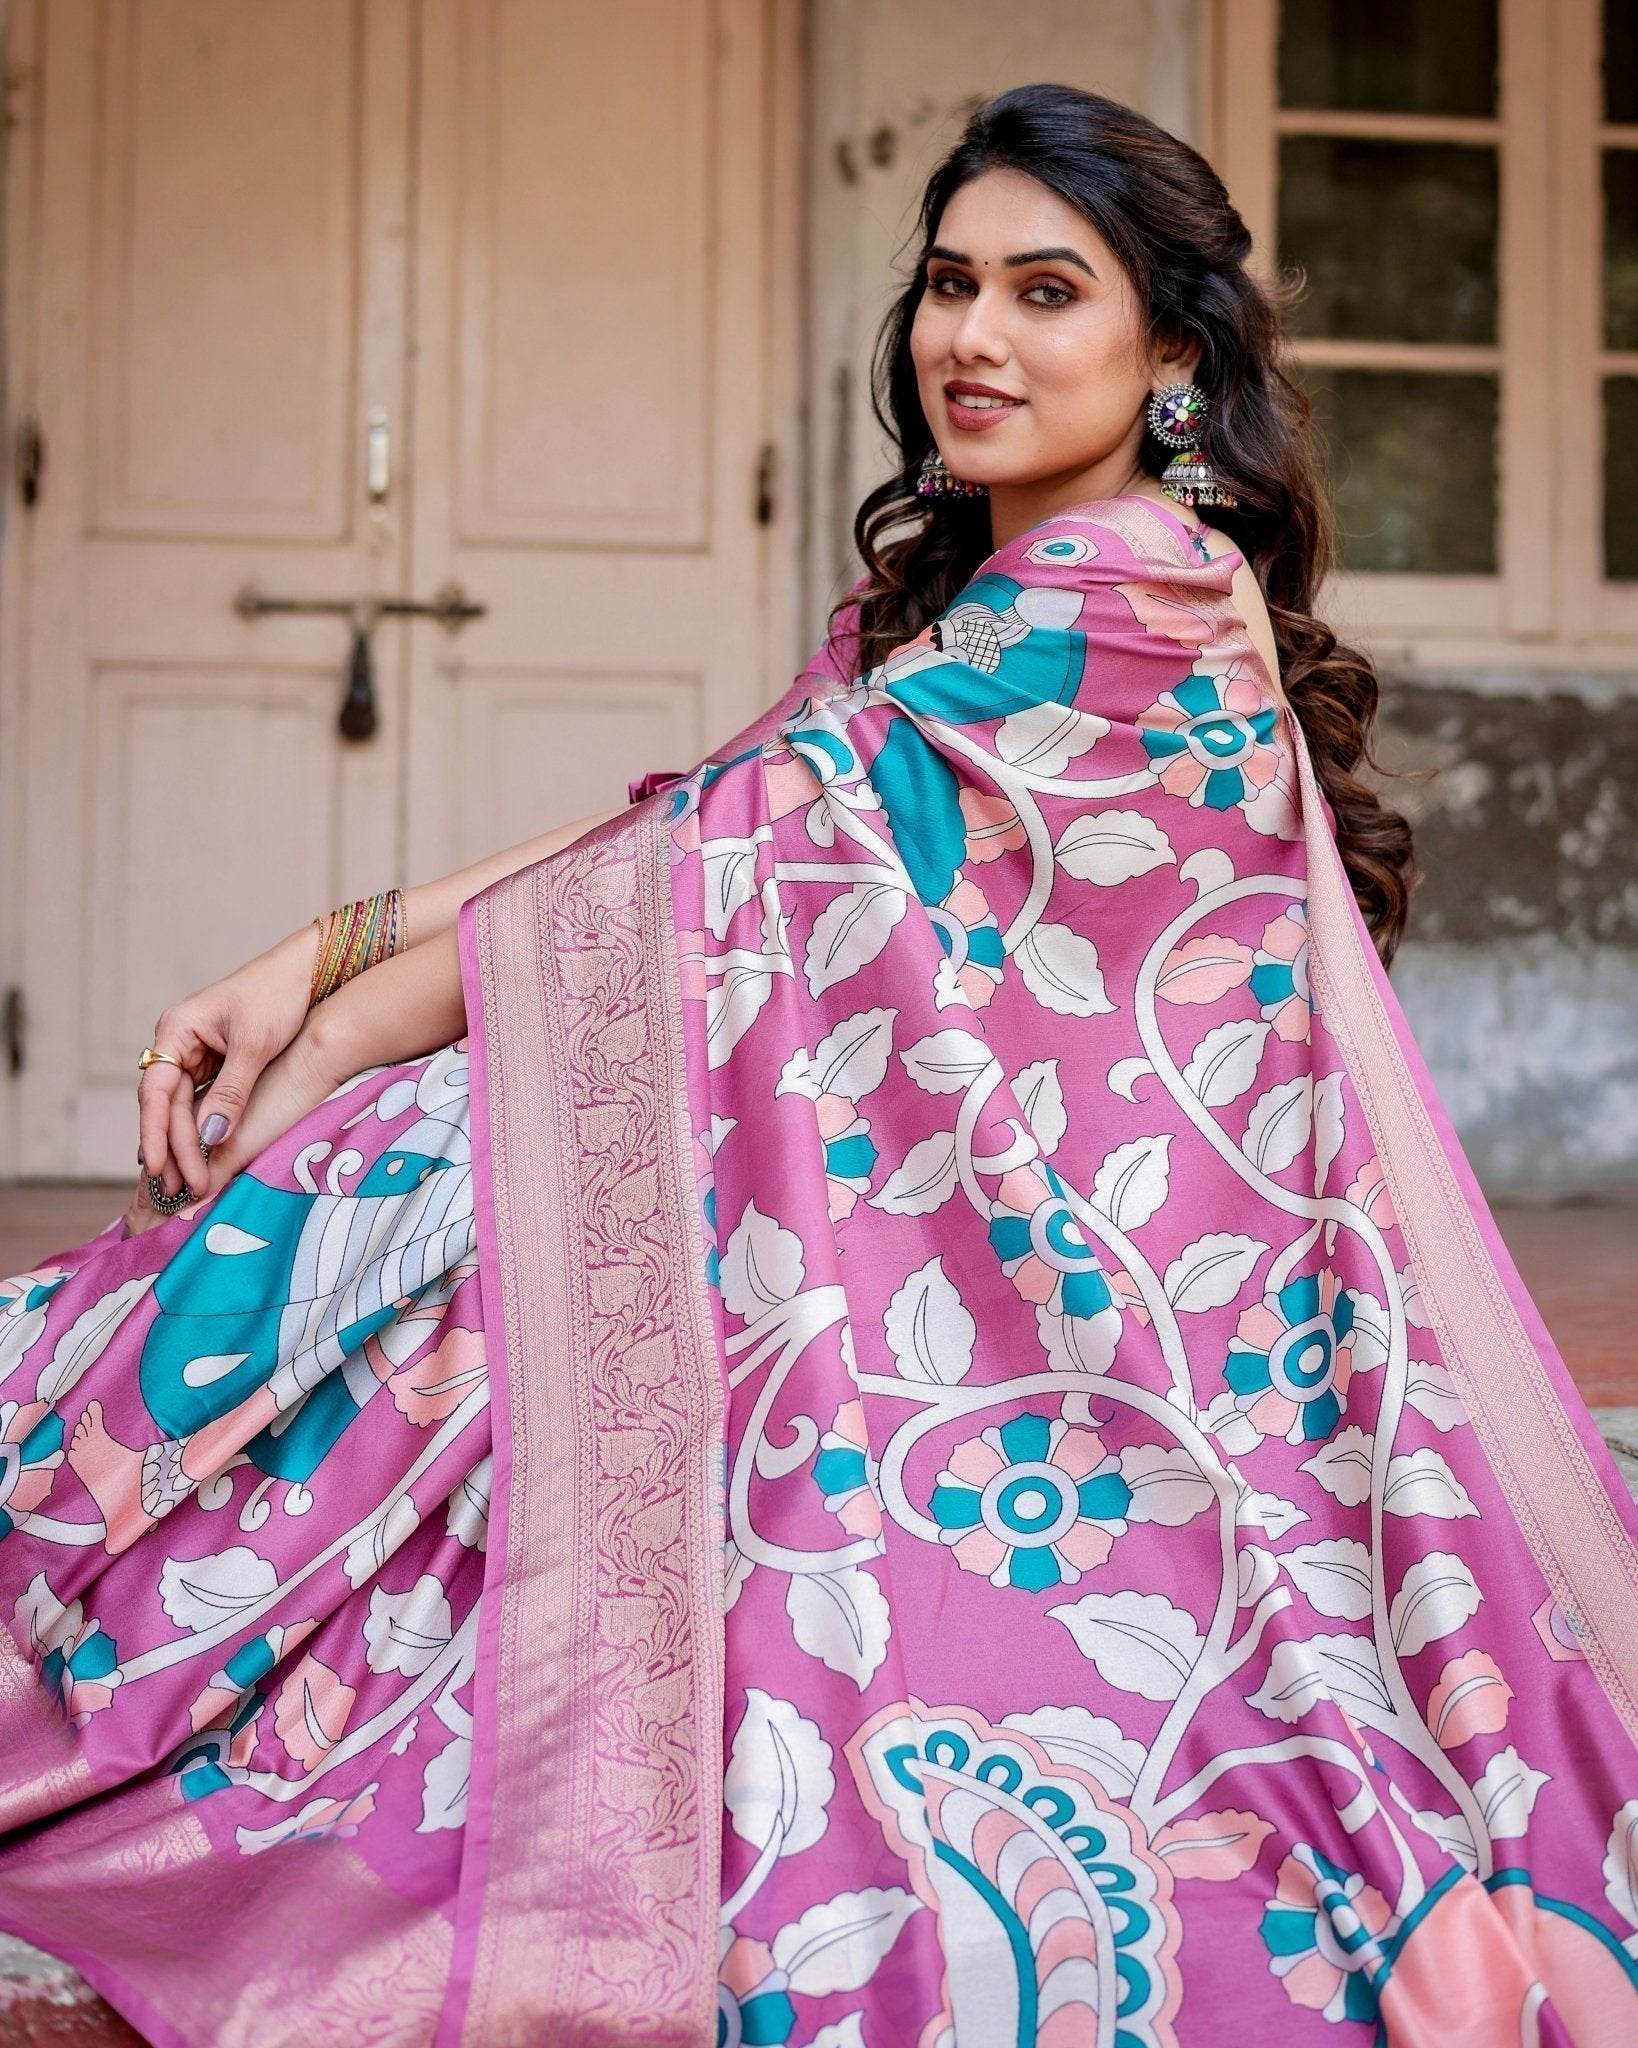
149 1058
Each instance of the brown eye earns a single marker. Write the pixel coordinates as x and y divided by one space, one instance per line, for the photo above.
1049 284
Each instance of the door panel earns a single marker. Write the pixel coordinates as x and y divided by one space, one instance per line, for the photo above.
590 398
221 226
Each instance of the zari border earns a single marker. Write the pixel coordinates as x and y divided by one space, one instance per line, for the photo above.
590 1896
1498 1352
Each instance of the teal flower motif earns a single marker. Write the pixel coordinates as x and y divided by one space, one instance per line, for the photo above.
850 1152
1328 1933
1291 1358
1210 739
1042 1248
216 1758
31 1449
1033 1504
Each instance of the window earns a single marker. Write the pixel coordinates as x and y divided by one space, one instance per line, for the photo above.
1458 182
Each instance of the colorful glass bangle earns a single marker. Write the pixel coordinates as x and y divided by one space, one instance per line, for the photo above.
354 937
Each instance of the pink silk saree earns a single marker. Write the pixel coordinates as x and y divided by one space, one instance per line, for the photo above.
921 1437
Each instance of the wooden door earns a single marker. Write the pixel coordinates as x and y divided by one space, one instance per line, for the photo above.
529 240
593 323
216 300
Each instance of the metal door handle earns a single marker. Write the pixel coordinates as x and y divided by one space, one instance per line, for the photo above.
450 606
357 719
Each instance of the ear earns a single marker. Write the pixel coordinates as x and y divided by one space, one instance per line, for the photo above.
1175 363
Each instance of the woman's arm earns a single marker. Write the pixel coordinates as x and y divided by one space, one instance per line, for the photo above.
405 1006
430 908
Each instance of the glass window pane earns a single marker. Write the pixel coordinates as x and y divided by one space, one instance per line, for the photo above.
1621 248
1389 56
1620 505
1620 60
1398 238
1412 455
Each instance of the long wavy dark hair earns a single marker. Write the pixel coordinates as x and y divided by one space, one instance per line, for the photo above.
1165 213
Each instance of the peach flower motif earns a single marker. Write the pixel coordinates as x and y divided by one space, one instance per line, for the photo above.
993 826
1369 1191
311 1711
846 1473
1326 1932
850 1153
1279 978
440 1379
1210 738
971 939
1190 625
753 1994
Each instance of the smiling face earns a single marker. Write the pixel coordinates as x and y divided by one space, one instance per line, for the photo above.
1029 351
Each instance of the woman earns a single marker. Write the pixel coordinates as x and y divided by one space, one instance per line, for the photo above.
1025 1499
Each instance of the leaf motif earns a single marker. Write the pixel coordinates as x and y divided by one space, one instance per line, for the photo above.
947 1061
779 1781
1257 1571
1113 846
1506 1793
732 1006
199 1592
1168 1487
1041 1098
468 1517
1138 1642
1045 738
1268 1512
851 1060
1131 1183
311 1711
1335 1577
1060 969
1203 969
1436 1596
1370 1331
1452 1833
841 1618
1328 1126
923 1179
838 1944
1338 1667
1421 1483
1219 1846
1224 1064
87 1336
1431 1391
1279 1124
1091 1742
761 1265
1343 1466
929 1329
1210 1272
729 872
406 1631
380 1536
850 932
1621 1864
1470 1699
444 1785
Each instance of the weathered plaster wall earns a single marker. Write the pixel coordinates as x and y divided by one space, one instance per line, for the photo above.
1520 976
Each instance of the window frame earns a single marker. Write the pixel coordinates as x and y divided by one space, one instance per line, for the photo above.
1548 602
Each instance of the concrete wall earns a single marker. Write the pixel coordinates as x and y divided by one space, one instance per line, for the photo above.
1521 976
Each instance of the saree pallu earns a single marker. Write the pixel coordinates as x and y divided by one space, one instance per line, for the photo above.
921 1437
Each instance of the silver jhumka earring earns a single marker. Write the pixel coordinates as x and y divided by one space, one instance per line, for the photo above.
935 481
1177 419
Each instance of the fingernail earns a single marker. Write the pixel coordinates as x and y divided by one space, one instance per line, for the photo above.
214 1128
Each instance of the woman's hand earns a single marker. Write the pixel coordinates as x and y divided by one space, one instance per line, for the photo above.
289 1085
225 1035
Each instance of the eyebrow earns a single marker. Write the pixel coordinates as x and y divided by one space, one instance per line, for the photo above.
1015 262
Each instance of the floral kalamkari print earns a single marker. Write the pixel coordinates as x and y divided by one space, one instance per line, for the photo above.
1127 1632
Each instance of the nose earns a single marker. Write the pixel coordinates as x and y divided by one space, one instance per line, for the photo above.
978 337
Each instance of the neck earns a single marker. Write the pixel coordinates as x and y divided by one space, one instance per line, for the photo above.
1014 508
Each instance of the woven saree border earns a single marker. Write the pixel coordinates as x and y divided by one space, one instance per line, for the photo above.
1583 1546
598 1841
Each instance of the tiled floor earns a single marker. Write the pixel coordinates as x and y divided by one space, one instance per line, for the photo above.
1580 1265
